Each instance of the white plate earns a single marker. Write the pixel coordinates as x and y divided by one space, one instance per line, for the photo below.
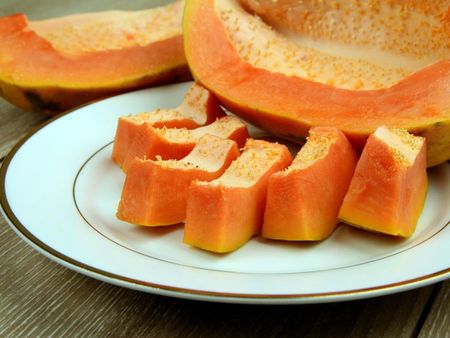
59 191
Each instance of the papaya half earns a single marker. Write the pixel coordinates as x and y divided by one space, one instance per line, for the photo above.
354 65
52 65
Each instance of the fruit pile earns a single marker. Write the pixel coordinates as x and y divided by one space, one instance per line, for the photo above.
225 196
347 78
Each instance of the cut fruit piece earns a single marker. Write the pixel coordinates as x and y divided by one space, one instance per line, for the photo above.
303 201
388 189
176 143
198 108
288 82
224 214
53 65
155 192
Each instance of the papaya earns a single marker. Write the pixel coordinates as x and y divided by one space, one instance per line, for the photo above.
223 214
155 192
199 107
388 189
175 143
351 65
303 201
52 65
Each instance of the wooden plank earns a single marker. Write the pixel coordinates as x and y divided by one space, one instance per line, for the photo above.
39 297
437 323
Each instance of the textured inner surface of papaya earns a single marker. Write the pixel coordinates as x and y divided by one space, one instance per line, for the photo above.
315 149
256 159
359 45
404 146
208 155
94 32
157 115
223 127
196 97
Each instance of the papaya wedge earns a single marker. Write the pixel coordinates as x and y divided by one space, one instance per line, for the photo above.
199 107
175 143
303 201
52 65
223 214
388 190
306 70
155 192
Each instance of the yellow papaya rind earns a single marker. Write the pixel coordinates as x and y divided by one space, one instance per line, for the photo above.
437 137
52 100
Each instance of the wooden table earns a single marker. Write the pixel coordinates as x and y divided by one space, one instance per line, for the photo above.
41 298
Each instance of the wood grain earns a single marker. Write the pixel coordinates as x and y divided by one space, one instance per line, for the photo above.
14 124
437 323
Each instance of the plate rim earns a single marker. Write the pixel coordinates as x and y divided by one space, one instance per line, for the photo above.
187 293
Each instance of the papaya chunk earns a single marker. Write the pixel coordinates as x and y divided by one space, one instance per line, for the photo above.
56 64
199 107
155 192
303 201
387 64
388 189
176 143
223 214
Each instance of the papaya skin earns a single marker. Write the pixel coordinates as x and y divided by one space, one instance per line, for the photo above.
290 106
54 82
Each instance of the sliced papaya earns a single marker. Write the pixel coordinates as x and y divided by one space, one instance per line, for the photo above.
176 143
386 64
155 192
303 201
56 64
198 108
388 190
223 214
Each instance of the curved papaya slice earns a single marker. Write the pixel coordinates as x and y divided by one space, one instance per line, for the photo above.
199 107
388 189
289 82
53 65
155 192
223 214
176 143
303 201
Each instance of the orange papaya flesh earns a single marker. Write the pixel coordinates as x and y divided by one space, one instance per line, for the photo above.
176 143
155 192
53 65
288 83
303 201
388 190
198 108
223 214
